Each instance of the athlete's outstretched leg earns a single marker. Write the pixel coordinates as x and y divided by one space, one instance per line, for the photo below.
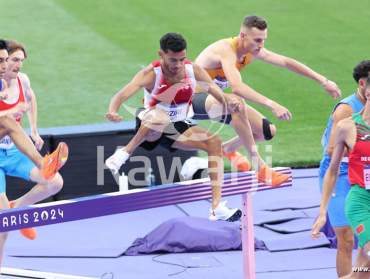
261 127
198 138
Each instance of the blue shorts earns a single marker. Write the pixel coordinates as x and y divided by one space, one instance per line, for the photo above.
14 163
336 207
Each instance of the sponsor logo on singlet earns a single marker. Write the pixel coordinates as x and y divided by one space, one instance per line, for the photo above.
360 229
365 159
221 82
6 142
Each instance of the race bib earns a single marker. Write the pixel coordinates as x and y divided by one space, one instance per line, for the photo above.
367 176
176 112
221 82
6 143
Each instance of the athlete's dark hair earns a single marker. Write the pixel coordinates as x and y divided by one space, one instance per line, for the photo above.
361 70
255 21
172 41
3 44
13 46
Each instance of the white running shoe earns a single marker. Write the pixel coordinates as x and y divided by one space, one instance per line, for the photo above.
222 212
115 161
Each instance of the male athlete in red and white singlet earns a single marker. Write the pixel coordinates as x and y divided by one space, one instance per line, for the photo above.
12 161
169 86
24 162
176 98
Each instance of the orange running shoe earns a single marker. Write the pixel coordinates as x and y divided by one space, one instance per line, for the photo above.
270 177
238 161
51 163
29 233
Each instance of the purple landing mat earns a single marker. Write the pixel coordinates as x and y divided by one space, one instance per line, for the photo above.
293 226
201 208
264 217
275 241
205 265
266 263
293 203
294 241
107 236
142 267
311 212
190 234
197 209
216 265
295 260
264 234
307 264
305 173
304 194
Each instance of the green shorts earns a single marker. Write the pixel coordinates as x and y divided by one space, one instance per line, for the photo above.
358 213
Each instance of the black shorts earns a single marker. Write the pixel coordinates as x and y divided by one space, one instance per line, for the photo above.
169 135
199 107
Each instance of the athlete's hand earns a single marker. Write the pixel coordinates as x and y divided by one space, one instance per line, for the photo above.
281 112
19 110
233 104
39 142
317 226
113 116
332 88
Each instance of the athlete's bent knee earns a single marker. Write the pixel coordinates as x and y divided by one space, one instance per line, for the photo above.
345 244
214 145
55 184
155 118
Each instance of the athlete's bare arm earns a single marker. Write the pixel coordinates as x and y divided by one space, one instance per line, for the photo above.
341 112
143 79
228 62
32 112
3 91
295 66
209 86
345 137
18 109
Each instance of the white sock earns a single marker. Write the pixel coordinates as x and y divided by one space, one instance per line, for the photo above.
121 155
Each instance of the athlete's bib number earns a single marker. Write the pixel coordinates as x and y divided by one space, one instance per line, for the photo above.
367 176
221 82
176 113
6 142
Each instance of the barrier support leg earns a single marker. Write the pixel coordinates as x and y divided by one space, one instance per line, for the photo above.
249 262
